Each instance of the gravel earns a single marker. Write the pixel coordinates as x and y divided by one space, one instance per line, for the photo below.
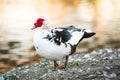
101 64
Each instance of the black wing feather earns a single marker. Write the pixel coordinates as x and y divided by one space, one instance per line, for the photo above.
62 35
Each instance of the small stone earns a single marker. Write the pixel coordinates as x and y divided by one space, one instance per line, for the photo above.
107 67
105 73
1 78
86 56
109 50
111 57
113 75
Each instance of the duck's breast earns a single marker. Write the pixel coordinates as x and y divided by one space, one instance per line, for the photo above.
49 49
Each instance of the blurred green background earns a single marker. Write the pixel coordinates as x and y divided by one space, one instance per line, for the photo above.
18 16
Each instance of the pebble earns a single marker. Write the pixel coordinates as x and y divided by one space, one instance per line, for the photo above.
107 67
113 75
1 78
86 56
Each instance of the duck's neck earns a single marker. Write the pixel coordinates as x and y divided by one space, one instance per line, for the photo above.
48 28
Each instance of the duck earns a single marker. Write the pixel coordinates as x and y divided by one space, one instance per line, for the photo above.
58 43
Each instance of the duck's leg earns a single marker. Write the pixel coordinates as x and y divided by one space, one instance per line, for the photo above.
65 64
66 61
55 65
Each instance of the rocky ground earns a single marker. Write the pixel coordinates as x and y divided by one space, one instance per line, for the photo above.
102 64
14 54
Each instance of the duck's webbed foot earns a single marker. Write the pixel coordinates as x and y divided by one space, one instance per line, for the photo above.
56 66
65 64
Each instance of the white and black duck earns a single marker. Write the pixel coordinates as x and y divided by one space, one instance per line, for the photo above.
58 43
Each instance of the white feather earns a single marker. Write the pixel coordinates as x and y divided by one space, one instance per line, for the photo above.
76 36
49 49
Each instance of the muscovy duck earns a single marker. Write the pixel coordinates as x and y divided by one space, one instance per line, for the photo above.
58 43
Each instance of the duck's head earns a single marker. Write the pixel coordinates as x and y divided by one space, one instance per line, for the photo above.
40 22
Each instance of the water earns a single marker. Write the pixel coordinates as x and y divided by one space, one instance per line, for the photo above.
17 18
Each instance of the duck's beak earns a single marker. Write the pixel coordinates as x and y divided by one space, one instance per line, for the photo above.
33 27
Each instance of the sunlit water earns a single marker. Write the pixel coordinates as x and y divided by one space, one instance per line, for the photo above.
17 18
